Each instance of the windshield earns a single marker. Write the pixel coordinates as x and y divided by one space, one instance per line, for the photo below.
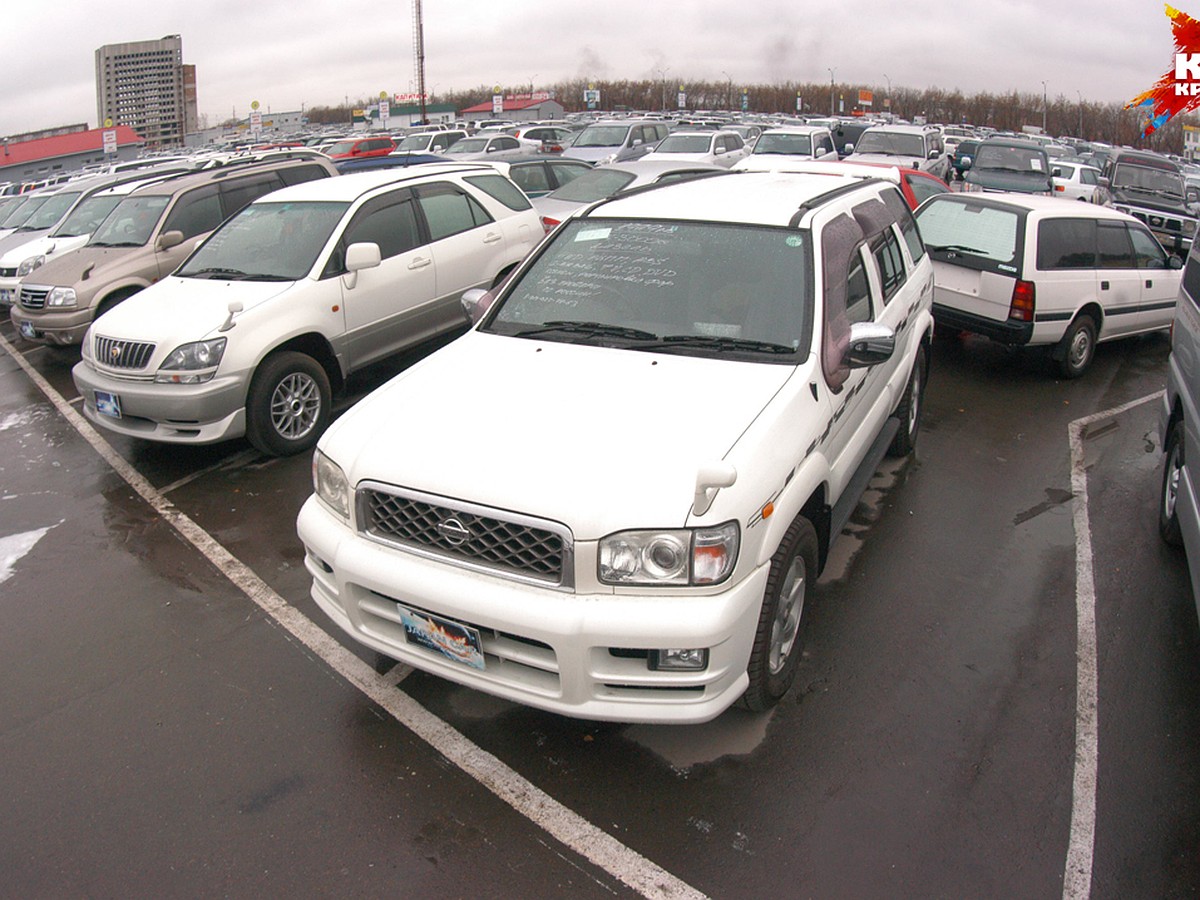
601 136
19 215
51 211
1011 159
340 147
468 145
415 142
685 143
798 144
131 223
886 143
970 229
673 287
593 185
266 242
1155 181
86 216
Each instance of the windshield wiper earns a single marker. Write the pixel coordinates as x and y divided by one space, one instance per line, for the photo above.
590 329
217 272
719 343
116 244
961 248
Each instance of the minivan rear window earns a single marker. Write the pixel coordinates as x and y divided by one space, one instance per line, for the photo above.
972 233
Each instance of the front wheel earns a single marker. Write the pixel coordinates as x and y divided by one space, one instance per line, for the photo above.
1168 513
776 650
288 406
909 410
1078 347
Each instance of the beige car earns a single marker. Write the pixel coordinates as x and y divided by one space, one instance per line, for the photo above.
143 240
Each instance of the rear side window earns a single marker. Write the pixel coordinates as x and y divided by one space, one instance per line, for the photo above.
449 211
502 189
531 178
300 174
908 225
886 250
243 191
1066 244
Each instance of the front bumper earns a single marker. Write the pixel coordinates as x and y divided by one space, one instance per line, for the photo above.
543 647
173 413
61 327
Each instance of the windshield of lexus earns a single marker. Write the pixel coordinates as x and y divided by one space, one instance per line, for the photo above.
889 144
266 242
799 144
701 289
131 223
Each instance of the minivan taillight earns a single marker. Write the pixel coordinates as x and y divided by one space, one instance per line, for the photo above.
1021 308
549 224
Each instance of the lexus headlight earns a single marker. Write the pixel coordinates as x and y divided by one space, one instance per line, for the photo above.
61 298
683 556
330 485
28 265
192 363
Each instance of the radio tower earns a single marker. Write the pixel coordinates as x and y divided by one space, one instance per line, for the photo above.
419 55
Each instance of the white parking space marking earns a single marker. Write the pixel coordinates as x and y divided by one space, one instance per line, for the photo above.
1077 876
14 546
590 842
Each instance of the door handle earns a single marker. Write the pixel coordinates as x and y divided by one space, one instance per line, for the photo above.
491 237
419 262
1104 285
1149 282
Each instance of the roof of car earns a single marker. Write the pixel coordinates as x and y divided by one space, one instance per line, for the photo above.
353 185
1036 203
765 198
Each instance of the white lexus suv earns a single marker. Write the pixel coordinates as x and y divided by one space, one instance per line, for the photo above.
612 497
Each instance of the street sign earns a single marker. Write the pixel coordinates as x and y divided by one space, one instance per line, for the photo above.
110 141
497 102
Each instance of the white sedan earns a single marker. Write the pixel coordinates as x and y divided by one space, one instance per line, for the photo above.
1075 181
718 148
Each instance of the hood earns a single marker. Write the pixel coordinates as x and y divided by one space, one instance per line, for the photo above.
179 310
599 439
46 245
888 159
591 154
1174 206
19 239
1010 180
67 270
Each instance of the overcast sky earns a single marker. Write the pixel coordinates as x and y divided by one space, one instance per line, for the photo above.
285 53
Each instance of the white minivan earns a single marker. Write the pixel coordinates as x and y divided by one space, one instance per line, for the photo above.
1038 271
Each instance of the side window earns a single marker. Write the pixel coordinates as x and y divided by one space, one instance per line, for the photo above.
858 292
735 142
924 188
1191 277
496 185
1147 252
893 200
241 191
1088 176
507 143
886 250
1113 246
440 143
449 211
1066 244
825 144
564 172
196 212
301 174
531 178
390 222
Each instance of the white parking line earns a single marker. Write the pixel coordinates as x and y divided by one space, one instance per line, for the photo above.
590 842
1077 875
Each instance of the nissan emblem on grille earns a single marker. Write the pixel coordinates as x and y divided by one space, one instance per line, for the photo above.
454 531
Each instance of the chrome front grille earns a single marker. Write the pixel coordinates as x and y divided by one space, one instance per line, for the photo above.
33 298
498 541
117 354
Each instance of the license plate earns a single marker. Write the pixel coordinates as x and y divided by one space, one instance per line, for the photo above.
455 641
27 330
108 404
7 297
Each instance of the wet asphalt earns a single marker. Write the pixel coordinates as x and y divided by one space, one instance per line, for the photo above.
161 735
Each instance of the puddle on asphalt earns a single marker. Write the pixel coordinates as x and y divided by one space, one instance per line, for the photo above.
870 507
735 732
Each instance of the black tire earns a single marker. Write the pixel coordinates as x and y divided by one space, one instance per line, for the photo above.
288 406
776 650
1078 347
1168 514
909 410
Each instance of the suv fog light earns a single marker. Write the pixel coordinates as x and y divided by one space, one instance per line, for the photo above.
695 660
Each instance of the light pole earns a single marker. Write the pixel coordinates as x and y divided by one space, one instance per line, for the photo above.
531 81
889 93
1043 107
728 90
662 75
831 71
1079 94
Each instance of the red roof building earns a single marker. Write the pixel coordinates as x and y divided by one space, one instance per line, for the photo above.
521 108
39 158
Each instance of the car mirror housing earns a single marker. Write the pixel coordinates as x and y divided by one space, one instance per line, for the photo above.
363 255
169 239
869 344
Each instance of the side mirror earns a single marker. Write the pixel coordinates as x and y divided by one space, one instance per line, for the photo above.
169 239
476 302
1056 173
966 162
1174 262
1104 182
849 148
869 344
363 255
934 154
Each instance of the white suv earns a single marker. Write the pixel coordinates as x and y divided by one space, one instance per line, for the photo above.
273 311
612 497
908 146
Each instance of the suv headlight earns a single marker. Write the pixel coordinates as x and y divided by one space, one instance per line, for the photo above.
681 556
192 363
330 485
61 297
28 265
1189 226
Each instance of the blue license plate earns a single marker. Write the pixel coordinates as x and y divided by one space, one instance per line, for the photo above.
108 404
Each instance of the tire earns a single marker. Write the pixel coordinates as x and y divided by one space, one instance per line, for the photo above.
909 410
1168 513
776 650
288 406
1078 347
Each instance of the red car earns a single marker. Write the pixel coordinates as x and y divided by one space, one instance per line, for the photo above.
361 148
915 185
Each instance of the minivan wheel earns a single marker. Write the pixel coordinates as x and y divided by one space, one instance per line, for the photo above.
776 650
1168 513
288 406
1078 347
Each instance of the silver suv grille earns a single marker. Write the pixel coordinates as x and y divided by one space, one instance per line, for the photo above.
116 354
499 541
33 298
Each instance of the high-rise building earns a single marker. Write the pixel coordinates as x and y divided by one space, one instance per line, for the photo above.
145 85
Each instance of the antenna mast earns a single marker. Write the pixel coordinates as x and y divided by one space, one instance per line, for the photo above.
419 55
